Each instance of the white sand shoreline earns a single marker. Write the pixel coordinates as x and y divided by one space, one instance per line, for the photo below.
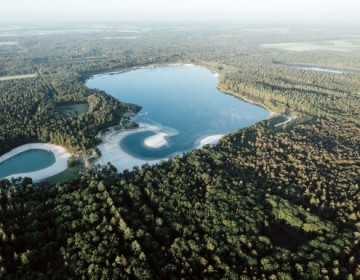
112 152
61 158
212 139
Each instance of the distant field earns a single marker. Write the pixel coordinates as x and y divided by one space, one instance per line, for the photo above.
73 110
27 76
121 37
346 45
268 30
8 43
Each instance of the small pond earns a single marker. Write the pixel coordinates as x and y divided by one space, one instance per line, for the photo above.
28 161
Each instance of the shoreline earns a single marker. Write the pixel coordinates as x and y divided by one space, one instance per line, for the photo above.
61 157
215 74
110 148
151 66
271 112
211 139
112 152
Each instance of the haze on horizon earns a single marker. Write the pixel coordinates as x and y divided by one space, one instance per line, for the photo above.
180 10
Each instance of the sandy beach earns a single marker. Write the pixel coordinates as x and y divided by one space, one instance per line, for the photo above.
112 152
212 139
61 157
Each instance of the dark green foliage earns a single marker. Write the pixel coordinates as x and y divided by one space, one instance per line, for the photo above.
208 214
29 114
265 203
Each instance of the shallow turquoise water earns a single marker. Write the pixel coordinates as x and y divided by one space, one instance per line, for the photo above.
28 161
178 100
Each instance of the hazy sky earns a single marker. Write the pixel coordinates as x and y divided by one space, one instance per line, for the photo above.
187 10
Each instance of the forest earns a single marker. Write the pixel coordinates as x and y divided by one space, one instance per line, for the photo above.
266 202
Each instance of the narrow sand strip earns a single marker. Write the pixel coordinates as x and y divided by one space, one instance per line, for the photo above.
288 119
61 157
212 139
319 69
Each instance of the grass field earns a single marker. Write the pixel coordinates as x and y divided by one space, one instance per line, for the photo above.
73 110
68 174
27 76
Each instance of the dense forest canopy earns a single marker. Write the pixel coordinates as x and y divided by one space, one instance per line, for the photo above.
266 202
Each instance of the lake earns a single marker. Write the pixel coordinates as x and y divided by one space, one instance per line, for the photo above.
28 161
182 109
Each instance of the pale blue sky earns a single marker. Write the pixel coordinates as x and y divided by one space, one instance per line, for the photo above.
162 10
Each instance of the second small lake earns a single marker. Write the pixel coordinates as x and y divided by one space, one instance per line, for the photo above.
28 161
181 107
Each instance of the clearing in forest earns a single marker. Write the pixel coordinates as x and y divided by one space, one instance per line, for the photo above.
345 45
10 43
27 76
72 110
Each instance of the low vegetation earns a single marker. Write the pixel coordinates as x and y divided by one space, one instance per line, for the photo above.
72 110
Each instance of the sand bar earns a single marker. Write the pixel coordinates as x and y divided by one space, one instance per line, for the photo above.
156 141
61 158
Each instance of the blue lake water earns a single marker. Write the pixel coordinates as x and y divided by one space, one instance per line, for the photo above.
182 102
28 161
